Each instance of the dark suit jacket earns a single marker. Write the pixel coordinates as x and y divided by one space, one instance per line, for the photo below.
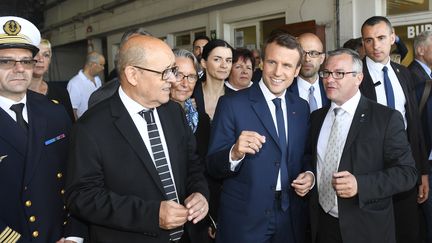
32 173
104 92
420 76
377 153
248 193
414 130
293 88
112 180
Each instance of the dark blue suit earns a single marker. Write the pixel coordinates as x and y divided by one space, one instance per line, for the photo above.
32 173
248 194
293 88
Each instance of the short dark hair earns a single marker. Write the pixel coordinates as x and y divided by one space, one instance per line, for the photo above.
376 20
201 37
212 45
285 40
245 54
353 44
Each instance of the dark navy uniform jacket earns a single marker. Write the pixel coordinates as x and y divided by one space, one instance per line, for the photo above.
32 174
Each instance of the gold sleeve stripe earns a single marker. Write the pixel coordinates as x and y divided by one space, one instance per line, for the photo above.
10 237
5 233
15 238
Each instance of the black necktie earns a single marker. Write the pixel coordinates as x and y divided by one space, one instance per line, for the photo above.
161 165
18 108
283 144
388 89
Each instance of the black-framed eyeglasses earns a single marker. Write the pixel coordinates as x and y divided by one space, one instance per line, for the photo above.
166 74
335 75
191 78
10 63
313 54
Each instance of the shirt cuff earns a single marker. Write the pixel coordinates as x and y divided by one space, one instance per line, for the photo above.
313 183
234 163
75 239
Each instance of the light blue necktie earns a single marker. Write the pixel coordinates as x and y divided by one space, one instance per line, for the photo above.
312 101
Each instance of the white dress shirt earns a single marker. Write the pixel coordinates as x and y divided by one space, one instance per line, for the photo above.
377 75
349 107
133 108
6 103
303 89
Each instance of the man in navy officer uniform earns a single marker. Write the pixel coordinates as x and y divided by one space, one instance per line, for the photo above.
34 134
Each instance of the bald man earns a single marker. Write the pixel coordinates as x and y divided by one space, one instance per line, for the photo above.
133 172
308 85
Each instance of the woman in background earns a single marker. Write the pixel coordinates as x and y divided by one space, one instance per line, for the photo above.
216 60
242 70
56 93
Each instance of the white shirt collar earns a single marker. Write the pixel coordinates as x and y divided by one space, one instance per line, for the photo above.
305 85
6 103
349 106
268 95
131 105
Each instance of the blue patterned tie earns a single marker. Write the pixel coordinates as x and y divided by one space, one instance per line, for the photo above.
312 101
191 115
388 89
283 145
161 165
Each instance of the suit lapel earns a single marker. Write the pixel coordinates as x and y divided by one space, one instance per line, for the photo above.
360 118
325 101
367 86
259 105
36 135
170 138
127 128
12 133
401 79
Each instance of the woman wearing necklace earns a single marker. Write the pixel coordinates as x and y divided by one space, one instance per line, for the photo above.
57 94
216 60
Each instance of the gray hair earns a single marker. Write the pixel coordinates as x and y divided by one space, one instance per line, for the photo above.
93 57
422 39
187 54
356 61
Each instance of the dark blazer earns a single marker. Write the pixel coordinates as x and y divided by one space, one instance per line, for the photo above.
414 130
112 181
377 153
104 92
59 94
293 88
198 95
32 173
248 193
420 76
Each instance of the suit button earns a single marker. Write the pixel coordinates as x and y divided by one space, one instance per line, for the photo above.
28 203
267 212
32 219
64 207
25 188
277 164
65 222
273 188
62 191
59 175
35 234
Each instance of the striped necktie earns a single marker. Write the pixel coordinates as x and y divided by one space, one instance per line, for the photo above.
161 164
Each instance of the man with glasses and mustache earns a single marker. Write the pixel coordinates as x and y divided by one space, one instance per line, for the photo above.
361 156
87 81
308 85
34 135
134 174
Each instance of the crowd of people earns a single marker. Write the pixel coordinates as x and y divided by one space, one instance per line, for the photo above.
287 144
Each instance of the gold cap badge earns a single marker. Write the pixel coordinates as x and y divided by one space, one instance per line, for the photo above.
12 27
